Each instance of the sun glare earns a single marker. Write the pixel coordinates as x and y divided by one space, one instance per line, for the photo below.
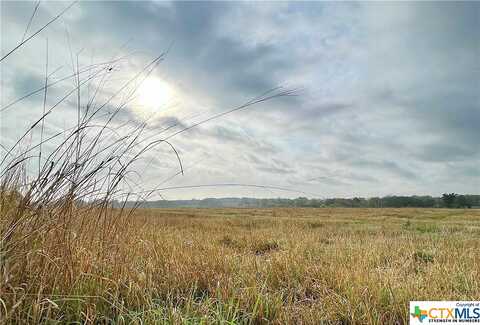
153 95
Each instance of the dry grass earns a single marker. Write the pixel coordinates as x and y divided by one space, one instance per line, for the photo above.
249 266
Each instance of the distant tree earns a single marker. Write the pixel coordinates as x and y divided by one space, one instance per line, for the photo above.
375 202
428 201
462 202
301 202
449 199
356 202
473 200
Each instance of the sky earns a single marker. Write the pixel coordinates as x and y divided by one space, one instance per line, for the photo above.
387 93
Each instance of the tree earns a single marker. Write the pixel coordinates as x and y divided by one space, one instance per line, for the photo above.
462 202
356 202
449 199
301 202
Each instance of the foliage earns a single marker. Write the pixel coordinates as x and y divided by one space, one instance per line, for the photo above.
453 200
449 199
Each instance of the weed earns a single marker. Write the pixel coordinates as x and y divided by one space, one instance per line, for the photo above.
265 247
423 257
315 224
427 228
229 242
407 225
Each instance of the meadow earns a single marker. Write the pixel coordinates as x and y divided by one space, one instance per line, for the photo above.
245 266
68 255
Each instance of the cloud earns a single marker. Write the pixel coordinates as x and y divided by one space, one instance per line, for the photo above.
390 100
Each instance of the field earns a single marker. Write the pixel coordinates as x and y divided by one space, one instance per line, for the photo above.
248 266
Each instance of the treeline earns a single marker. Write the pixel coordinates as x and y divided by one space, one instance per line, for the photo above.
450 200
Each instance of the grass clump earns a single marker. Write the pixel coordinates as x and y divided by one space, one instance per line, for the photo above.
315 224
427 228
265 247
423 257
227 241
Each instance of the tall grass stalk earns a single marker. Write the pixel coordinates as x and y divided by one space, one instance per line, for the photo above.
60 234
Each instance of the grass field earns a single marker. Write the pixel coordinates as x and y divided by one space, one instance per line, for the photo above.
253 266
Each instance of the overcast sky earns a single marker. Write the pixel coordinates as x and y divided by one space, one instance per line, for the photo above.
390 99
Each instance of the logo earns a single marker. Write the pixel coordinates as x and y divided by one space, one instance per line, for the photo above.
419 313
456 312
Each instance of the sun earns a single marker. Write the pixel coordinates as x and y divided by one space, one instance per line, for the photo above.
153 95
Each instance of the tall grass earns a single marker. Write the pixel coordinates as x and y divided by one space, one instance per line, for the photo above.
246 266
61 238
